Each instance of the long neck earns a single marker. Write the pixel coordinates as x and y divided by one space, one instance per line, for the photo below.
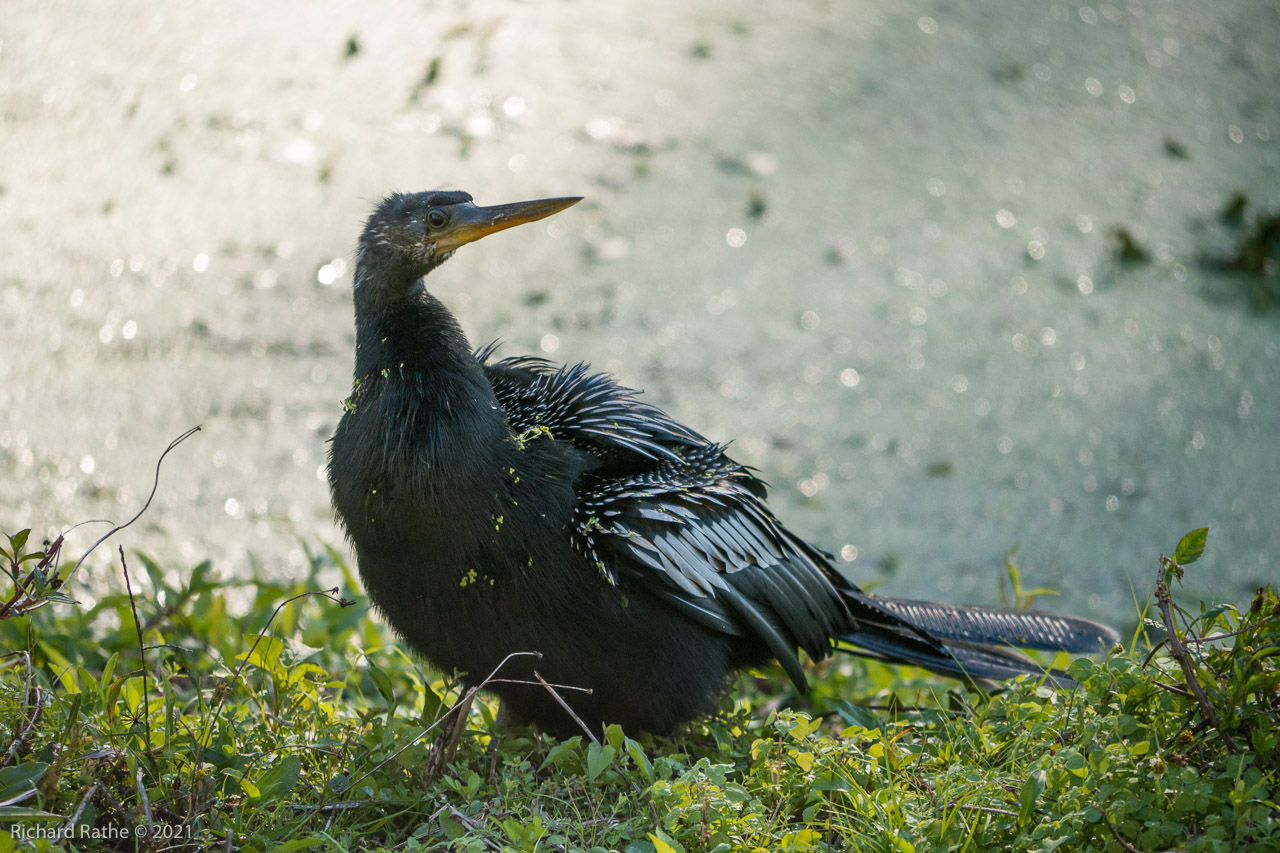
402 331
415 350
423 428
412 335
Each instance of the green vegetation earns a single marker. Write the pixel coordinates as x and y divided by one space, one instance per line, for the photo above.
299 725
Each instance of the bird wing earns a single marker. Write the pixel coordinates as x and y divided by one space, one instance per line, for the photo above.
591 409
667 509
694 530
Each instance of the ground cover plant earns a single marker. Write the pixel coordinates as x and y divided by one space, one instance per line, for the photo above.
165 717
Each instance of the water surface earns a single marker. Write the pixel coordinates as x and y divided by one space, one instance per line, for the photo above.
873 243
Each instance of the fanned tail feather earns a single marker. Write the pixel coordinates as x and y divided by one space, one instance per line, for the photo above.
974 642
1027 629
976 663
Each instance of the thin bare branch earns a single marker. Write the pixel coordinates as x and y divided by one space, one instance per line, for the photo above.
154 485
586 690
563 704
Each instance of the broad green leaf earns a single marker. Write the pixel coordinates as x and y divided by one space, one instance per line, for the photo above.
452 828
804 839
200 580
663 844
1031 791
383 683
1191 547
8 813
155 573
265 652
109 668
19 539
280 779
828 781
562 753
599 758
19 779
804 726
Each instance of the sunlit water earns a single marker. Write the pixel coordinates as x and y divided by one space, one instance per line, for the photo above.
871 242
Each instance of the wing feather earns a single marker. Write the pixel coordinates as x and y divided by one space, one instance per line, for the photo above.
666 509
589 408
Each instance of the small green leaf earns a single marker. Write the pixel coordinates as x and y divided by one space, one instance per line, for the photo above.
279 780
599 758
199 581
264 651
1031 791
452 828
663 844
19 539
383 683
636 751
562 755
1191 547
1211 613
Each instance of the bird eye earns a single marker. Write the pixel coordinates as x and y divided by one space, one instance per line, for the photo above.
436 218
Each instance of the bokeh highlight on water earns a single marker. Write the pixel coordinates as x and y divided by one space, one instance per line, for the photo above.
880 246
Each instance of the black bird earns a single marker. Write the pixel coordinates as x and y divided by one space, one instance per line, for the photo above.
516 506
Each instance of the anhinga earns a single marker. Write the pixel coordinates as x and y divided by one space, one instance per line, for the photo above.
517 506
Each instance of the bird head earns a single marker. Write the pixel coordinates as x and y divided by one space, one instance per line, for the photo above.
409 235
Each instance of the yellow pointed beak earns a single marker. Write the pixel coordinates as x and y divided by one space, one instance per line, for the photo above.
469 222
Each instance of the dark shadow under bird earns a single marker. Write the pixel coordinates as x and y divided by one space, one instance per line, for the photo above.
517 506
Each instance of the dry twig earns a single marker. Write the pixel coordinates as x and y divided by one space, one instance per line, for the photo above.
563 704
